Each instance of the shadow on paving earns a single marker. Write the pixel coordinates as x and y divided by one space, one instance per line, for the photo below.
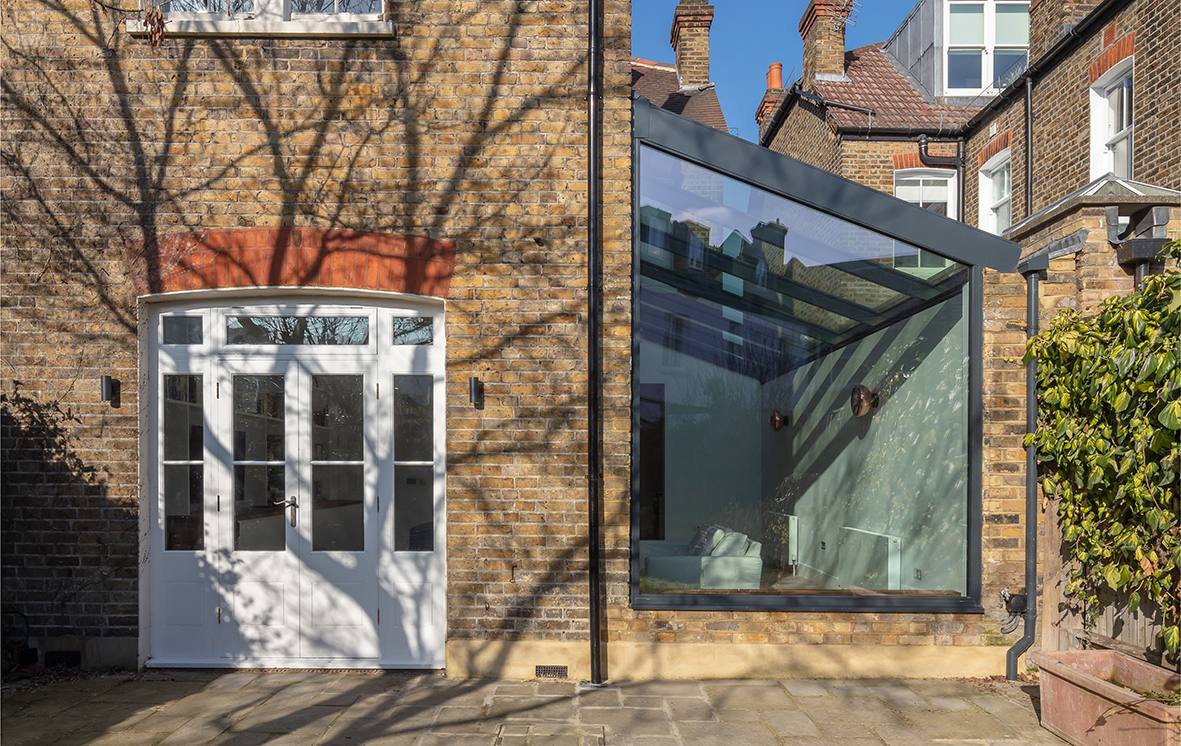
250 708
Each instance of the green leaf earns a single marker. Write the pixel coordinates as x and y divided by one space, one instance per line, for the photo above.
1122 400
1170 415
1171 637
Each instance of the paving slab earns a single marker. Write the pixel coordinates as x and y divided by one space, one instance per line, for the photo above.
713 734
628 721
791 724
661 688
805 688
849 710
690 709
284 718
973 723
735 697
532 708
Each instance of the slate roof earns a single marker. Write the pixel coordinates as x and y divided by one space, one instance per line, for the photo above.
657 82
875 82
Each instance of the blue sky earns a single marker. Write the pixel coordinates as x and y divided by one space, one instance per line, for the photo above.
746 37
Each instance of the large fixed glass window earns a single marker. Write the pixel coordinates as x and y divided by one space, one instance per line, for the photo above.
802 400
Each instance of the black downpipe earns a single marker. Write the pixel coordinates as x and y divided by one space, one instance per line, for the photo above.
957 160
593 239
1028 147
1031 589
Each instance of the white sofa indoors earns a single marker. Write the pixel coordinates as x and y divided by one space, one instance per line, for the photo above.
716 557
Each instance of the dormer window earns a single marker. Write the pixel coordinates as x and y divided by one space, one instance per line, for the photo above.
987 45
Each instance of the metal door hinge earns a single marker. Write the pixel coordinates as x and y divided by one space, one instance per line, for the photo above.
379 391
217 390
379 616
219 503
219 615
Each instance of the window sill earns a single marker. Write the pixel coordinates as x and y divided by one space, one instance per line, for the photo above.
258 27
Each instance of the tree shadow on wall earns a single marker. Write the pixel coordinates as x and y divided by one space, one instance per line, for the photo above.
46 486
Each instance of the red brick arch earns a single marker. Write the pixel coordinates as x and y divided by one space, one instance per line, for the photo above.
302 257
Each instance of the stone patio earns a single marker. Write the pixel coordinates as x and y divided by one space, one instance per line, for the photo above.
425 709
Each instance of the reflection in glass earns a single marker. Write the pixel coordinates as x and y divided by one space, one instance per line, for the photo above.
414 511
184 506
184 419
338 419
413 419
338 497
751 303
184 436
207 6
297 330
336 6
258 518
964 68
258 418
182 330
413 330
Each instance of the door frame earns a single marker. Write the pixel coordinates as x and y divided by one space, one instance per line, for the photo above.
386 360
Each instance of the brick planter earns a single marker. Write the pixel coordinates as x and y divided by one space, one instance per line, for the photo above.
1088 699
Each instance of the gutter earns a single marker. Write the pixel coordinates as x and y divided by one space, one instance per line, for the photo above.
593 241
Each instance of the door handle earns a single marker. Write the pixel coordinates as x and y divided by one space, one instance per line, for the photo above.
288 504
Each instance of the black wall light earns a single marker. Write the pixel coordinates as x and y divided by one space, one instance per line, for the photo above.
475 392
109 390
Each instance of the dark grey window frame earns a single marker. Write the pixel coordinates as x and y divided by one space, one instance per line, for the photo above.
760 167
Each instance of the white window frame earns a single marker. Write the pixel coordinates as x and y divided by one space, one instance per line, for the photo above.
988 47
988 206
1102 157
272 18
943 174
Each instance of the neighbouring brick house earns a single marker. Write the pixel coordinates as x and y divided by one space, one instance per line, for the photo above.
1091 201
295 313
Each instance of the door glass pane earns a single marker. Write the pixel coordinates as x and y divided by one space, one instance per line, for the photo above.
338 490
258 418
258 520
414 512
413 419
182 330
967 24
184 514
184 432
413 330
338 498
963 68
297 330
338 420
1012 23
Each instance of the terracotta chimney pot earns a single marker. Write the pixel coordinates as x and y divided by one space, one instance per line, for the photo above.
775 75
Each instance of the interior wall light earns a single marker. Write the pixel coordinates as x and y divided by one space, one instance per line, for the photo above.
475 392
779 420
863 401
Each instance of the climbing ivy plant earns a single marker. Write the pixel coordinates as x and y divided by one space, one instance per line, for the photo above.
1109 397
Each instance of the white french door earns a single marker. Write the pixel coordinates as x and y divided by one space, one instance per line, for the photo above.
297 498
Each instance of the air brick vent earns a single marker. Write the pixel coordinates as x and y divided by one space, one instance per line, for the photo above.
551 672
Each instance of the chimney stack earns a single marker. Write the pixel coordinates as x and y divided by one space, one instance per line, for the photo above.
690 40
823 31
774 92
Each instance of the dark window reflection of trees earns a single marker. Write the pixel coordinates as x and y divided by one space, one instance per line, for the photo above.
298 330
